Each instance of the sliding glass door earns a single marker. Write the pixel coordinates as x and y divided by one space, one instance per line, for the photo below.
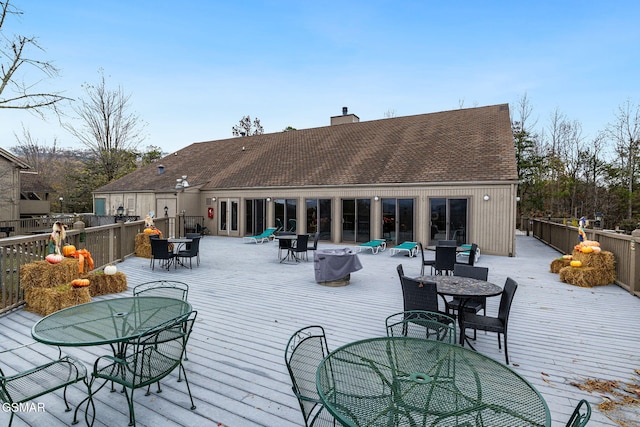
356 220
398 220
449 220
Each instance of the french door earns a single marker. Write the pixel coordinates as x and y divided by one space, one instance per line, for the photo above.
228 217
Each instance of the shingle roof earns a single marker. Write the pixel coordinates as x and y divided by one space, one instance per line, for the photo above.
34 183
452 146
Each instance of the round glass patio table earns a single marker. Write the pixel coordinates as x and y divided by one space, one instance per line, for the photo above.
108 321
400 381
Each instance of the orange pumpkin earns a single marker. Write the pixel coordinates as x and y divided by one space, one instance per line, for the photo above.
80 283
68 250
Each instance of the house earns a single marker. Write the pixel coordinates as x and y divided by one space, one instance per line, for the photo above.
10 168
444 175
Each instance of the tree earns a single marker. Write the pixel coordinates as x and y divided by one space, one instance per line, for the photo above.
625 134
36 154
529 161
247 128
107 128
152 154
14 52
288 128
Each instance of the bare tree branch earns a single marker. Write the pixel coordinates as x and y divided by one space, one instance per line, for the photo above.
15 94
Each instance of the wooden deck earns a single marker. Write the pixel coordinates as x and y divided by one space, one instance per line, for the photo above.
249 304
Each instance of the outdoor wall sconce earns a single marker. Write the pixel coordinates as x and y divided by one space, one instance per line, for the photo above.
213 199
486 198
268 199
376 198
166 211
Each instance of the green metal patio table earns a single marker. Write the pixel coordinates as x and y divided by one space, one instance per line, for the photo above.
111 321
400 381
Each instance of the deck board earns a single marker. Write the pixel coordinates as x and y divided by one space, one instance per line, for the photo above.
249 305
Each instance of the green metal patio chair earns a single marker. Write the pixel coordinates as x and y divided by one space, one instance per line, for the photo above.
304 352
581 415
422 324
29 384
147 359
163 288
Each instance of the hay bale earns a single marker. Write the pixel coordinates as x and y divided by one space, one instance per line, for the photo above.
587 277
103 284
44 301
41 274
604 260
143 246
558 264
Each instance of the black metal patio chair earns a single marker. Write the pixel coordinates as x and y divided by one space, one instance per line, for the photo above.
191 250
161 251
425 262
494 324
300 247
445 259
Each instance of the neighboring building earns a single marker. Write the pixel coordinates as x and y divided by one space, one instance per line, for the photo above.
34 195
10 167
427 177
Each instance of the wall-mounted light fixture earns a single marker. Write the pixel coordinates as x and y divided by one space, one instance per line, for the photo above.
486 197
268 199
166 211
376 198
120 212
517 198
213 199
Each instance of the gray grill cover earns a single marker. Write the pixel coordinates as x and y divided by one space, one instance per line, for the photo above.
334 264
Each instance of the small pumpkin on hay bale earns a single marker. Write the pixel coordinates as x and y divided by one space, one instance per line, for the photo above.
103 284
44 301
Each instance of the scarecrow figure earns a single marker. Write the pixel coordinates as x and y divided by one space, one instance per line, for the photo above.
57 237
581 226
148 222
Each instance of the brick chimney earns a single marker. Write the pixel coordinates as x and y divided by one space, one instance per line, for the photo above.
344 118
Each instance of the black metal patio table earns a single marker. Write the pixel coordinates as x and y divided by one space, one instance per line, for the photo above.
400 381
464 288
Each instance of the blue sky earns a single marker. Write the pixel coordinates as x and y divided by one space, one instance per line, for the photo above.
195 68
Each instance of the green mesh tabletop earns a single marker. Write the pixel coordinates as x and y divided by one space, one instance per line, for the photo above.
106 322
417 382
